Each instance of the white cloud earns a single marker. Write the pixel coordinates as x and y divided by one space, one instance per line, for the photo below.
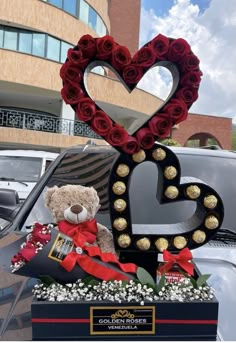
212 36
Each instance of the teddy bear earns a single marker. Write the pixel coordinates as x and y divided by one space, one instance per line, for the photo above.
76 204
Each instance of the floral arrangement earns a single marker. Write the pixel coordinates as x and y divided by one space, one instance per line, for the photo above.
38 237
160 51
141 290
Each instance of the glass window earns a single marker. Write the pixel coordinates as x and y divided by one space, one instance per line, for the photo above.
84 11
20 168
92 20
100 27
53 49
64 49
25 42
57 3
10 39
1 37
70 6
38 44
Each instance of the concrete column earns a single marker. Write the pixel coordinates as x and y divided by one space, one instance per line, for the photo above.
67 118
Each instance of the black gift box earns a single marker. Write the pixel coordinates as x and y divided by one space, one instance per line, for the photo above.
162 320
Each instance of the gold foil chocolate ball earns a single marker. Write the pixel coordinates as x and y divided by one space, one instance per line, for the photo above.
143 243
210 201
159 154
139 156
122 170
211 222
161 244
193 192
119 187
120 224
199 236
120 205
124 241
180 242
170 172
171 192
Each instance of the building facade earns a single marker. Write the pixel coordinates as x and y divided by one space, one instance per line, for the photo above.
34 38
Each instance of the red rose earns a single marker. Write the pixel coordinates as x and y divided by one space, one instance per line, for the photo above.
132 74
71 72
145 57
145 138
76 57
28 252
105 45
160 46
177 110
88 45
86 109
187 94
71 93
120 57
191 79
131 146
117 136
101 123
189 62
38 236
160 125
178 48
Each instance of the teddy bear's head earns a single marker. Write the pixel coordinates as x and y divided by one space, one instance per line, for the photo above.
74 203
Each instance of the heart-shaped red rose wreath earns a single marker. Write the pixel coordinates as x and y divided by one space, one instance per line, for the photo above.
173 54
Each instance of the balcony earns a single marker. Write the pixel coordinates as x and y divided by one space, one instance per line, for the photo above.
37 121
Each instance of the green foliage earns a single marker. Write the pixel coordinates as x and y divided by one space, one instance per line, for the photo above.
144 277
169 142
47 280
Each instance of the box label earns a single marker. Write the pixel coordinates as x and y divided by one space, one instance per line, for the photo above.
117 320
61 247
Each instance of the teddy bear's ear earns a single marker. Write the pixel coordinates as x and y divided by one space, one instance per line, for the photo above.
96 201
48 195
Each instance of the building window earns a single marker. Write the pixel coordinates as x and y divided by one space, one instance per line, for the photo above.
70 6
34 43
82 10
25 42
1 37
39 44
53 49
10 39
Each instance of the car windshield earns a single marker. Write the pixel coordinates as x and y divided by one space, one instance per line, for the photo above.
22 168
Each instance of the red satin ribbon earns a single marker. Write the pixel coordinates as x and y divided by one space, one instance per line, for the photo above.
182 259
86 232
81 233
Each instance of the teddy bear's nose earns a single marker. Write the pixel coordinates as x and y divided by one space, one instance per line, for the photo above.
76 209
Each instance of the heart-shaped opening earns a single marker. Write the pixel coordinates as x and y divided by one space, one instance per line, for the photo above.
130 109
146 210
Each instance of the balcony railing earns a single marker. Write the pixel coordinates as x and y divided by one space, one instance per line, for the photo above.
41 122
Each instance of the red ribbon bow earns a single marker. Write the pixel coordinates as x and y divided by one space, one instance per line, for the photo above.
182 259
86 232
81 233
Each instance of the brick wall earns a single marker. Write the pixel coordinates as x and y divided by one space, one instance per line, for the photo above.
125 20
205 127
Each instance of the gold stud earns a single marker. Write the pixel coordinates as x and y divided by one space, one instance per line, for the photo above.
143 243
170 172
119 187
120 205
171 192
193 192
199 236
124 241
122 170
139 156
120 224
159 154
211 222
161 244
210 201
180 242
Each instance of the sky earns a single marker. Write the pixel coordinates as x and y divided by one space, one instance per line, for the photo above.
209 26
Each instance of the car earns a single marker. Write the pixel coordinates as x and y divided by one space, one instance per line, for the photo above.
90 165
